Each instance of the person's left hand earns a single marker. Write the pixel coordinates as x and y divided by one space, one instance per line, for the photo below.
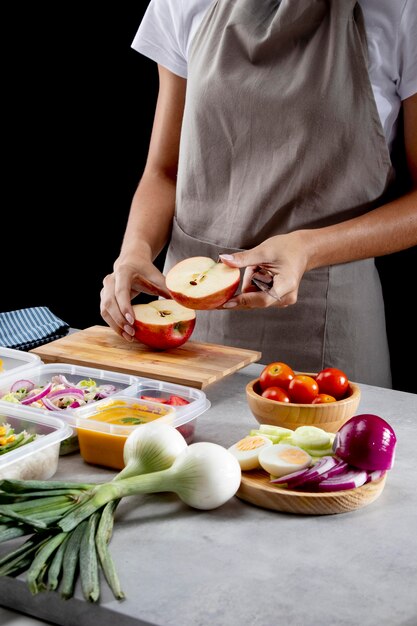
282 260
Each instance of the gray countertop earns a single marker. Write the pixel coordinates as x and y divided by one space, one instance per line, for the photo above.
242 565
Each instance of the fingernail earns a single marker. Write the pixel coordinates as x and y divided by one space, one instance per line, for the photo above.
229 305
127 337
129 318
227 257
129 330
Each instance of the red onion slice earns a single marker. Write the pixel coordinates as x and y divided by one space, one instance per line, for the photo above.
37 396
60 379
310 474
106 390
375 475
68 392
351 479
19 385
71 394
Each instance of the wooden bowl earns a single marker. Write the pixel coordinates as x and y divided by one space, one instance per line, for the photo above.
328 416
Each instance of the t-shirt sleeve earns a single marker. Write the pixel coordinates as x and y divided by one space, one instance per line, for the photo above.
407 50
160 35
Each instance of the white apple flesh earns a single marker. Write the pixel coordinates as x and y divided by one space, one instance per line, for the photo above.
163 324
200 283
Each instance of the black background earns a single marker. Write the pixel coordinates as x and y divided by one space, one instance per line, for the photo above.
78 107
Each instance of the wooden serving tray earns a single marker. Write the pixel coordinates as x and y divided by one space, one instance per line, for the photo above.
193 364
256 489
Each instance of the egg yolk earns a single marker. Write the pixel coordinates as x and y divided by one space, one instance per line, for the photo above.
250 443
293 456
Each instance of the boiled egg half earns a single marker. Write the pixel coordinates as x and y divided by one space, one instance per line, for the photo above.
281 459
247 450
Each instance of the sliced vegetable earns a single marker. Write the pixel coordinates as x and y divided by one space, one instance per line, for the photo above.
177 401
375 475
172 400
22 386
311 437
37 395
350 479
154 399
310 474
59 393
10 440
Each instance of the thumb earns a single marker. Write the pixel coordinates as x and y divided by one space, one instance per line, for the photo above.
242 259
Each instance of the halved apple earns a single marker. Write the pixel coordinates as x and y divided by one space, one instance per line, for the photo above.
201 283
163 324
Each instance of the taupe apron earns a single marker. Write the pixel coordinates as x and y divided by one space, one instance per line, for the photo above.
281 132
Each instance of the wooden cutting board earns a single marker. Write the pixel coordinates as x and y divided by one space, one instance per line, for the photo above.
193 364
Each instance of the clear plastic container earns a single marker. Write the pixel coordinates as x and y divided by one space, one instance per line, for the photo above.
38 459
170 393
104 427
42 374
16 361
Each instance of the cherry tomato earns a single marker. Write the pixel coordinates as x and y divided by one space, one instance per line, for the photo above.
276 393
333 382
323 398
303 389
276 374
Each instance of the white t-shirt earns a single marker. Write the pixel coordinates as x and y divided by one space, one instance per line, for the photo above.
168 27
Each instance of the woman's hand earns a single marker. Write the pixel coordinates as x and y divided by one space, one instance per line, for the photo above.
119 288
280 261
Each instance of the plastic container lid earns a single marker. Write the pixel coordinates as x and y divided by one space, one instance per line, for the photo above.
38 459
103 427
42 373
15 361
197 400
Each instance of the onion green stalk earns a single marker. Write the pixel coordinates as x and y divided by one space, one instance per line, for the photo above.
205 475
64 516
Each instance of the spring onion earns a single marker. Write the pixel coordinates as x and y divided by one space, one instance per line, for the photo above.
73 522
150 449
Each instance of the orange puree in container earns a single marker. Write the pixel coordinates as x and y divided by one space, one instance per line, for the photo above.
102 435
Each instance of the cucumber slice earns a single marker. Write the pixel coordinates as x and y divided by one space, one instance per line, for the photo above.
311 437
273 438
276 431
316 453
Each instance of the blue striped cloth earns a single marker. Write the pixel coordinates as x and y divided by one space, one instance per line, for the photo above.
25 329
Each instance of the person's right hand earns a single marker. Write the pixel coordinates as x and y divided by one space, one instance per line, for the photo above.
119 288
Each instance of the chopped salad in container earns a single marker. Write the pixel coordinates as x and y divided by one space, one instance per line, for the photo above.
63 388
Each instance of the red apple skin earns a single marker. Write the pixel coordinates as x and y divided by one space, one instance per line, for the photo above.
164 337
212 301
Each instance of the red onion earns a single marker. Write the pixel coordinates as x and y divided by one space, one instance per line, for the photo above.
60 379
37 396
351 479
27 385
68 392
310 474
106 390
71 393
366 441
375 475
